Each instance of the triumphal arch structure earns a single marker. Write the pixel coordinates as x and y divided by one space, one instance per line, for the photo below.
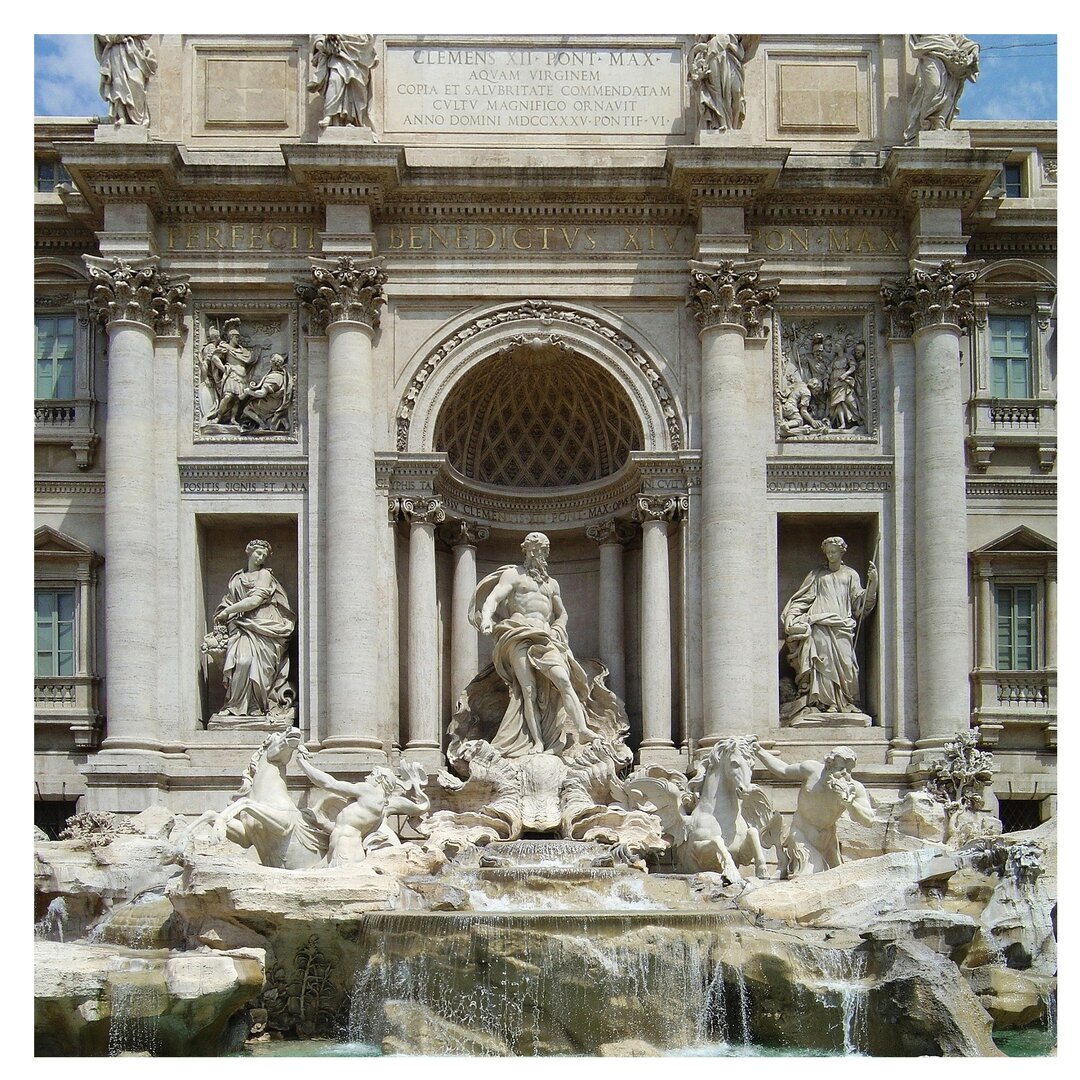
690 306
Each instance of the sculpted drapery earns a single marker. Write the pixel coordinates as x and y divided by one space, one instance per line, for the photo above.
125 64
946 63
260 624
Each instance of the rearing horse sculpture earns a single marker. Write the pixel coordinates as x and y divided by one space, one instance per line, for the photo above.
732 820
262 815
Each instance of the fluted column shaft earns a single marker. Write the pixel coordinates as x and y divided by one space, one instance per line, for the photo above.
343 296
352 618
136 300
941 580
464 647
425 736
610 537
130 544
728 541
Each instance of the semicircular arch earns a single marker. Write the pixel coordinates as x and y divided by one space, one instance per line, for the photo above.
594 335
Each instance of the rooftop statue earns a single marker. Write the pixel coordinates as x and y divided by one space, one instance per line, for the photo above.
341 71
126 63
946 62
828 792
716 67
820 627
253 625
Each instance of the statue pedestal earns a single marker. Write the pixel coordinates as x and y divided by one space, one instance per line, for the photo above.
345 134
946 137
218 722
107 131
731 137
816 718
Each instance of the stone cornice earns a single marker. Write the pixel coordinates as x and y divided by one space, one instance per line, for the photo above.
942 176
724 175
835 476
232 478
137 291
1032 487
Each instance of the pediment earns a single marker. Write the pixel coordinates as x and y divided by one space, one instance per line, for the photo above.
1019 539
48 540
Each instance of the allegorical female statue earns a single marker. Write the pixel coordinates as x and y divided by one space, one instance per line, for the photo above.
125 64
253 625
716 66
341 69
946 63
820 623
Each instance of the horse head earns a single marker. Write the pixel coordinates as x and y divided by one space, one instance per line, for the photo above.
281 745
735 758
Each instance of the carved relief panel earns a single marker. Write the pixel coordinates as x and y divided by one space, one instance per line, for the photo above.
245 374
825 374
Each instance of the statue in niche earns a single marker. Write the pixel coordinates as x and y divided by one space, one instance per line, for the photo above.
820 629
341 70
267 402
253 626
125 64
360 825
521 608
821 384
716 67
945 63
828 791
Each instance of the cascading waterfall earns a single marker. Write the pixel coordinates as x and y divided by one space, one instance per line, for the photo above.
51 925
529 977
844 973
135 1002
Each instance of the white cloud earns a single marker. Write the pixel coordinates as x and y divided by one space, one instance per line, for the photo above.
66 76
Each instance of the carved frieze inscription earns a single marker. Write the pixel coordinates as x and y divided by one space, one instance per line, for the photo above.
612 90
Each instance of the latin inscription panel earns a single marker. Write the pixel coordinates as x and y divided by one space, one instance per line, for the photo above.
507 91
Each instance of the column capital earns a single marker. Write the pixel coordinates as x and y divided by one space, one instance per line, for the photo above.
423 511
933 294
730 293
457 533
344 290
612 531
138 291
661 508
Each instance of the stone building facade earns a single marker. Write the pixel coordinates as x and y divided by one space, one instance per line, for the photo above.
688 306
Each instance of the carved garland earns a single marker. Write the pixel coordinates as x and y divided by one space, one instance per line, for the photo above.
547 313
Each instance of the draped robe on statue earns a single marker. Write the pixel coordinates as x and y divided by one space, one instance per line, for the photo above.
256 667
819 624
545 647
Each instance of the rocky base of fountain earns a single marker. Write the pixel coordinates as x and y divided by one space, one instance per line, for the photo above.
540 947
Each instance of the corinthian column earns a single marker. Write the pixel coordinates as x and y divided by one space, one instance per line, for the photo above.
134 300
931 305
730 302
611 536
344 301
654 513
463 536
425 731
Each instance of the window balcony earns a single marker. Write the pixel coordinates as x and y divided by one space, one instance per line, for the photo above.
68 422
1014 699
69 702
994 423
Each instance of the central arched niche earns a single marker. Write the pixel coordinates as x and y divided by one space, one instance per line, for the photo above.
537 415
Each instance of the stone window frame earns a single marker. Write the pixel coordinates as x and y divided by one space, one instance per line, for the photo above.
61 289
1007 697
70 702
1013 288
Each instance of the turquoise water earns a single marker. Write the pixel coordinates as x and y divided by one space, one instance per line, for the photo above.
1027 1042
309 1048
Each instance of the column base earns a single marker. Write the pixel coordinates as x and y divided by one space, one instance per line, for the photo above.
431 757
668 756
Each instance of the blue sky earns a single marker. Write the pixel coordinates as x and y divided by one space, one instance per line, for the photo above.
1017 80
